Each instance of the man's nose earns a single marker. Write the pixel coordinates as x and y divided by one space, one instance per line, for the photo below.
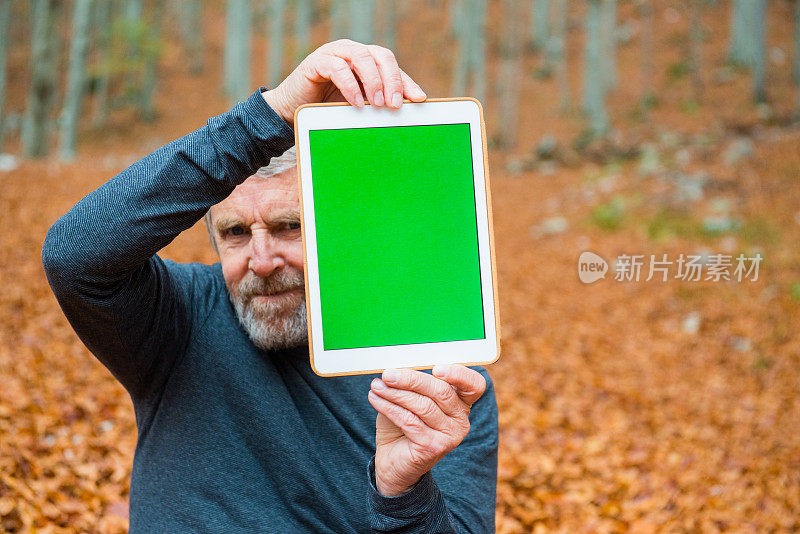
265 256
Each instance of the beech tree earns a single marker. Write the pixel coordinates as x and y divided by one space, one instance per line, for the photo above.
75 81
275 36
759 30
340 26
797 52
42 89
539 23
133 26
608 36
5 16
462 20
149 76
388 27
454 13
478 47
303 12
509 79
238 36
646 58
696 46
593 84
191 26
104 27
742 47
748 41
559 53
362 20
471 59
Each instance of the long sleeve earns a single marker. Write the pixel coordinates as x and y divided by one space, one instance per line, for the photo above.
128 306
458 494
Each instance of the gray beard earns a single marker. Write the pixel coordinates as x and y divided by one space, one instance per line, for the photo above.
271 326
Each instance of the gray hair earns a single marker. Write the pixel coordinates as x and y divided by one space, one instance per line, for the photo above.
276 165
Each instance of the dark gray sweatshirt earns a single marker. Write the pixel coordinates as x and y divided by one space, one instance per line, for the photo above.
232 438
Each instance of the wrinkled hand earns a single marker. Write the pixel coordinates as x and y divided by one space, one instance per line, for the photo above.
344 70
421 418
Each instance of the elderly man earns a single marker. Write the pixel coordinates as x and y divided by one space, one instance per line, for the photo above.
236 432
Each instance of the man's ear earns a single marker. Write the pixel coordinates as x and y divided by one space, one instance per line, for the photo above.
207 218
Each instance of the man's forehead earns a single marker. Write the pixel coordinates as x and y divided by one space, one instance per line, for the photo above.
279 192
281 183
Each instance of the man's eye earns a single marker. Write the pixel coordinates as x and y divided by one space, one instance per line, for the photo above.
287 227
236 230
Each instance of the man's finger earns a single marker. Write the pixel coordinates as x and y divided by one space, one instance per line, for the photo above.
469 383
424 384
411 425
338 71
363 63
423 407
390 75
411 90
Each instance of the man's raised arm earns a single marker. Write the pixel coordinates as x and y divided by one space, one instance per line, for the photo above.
100 257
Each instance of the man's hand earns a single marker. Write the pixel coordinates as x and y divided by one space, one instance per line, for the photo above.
344 70
421 418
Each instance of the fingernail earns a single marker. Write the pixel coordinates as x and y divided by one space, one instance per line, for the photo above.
378 384
418 92
359 100
378 98
390 375
439 371
397 99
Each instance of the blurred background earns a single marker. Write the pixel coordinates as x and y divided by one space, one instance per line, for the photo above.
660 130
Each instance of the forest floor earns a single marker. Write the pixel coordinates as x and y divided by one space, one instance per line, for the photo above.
625 406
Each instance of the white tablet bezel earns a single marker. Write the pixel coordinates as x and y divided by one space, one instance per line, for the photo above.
419 355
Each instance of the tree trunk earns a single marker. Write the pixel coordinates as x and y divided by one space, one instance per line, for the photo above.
362 19
608 33
509 75
744 46
797 52
471 62
648 28
191 25
133 23
133 9
103 18
229 51
455 10
5 16
389 24
43 78
759 29
478 60
303 11
237 49
340 26
539 23
463 35
593 91
559 40
151 62
276 17
740 42
75 80
696 47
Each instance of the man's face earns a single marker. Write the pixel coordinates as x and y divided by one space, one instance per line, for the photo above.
257 232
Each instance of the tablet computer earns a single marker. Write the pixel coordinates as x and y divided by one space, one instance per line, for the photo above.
397 236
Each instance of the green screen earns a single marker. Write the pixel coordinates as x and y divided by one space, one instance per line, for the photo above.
397 237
